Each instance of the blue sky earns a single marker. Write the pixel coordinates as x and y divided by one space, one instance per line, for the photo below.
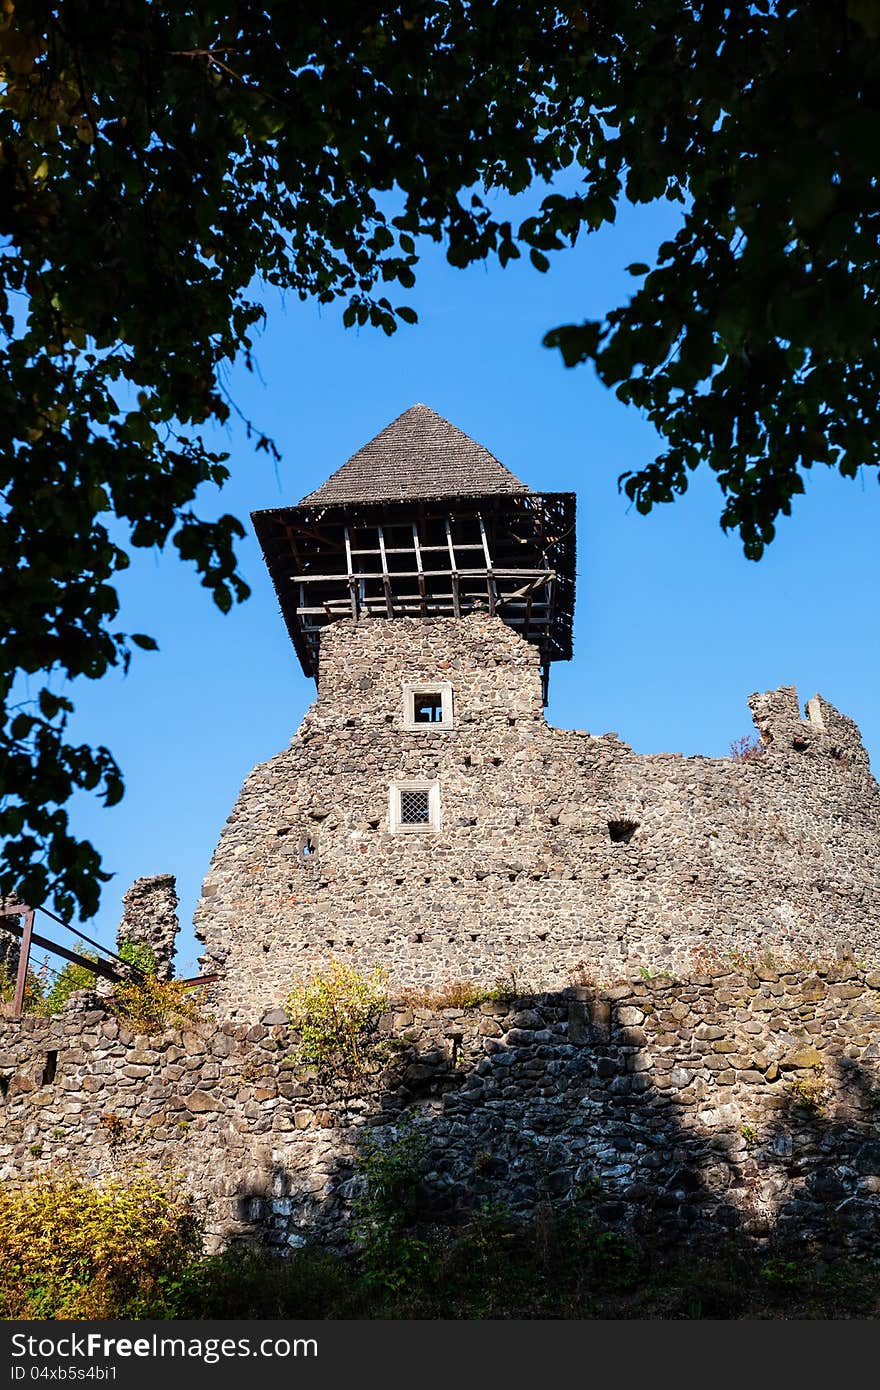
673 628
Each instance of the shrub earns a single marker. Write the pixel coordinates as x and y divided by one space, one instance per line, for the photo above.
70 979
335 1013
455 994
247 1282
138 954
811 1090
150 1005
745 748
34 990
71 1249
392 1256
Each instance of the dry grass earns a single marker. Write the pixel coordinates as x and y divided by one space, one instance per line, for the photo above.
455 994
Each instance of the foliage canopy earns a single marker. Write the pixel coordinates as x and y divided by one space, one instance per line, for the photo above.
159 160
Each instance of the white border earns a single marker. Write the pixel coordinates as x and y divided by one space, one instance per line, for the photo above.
398 827
441 688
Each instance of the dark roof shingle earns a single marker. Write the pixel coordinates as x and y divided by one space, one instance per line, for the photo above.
419 455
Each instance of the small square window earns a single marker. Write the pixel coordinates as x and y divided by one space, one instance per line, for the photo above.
414 806
428 709
427 706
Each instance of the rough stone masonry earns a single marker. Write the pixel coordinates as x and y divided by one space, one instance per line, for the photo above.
541 853
737 1100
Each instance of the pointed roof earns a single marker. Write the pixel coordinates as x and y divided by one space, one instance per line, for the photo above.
419 455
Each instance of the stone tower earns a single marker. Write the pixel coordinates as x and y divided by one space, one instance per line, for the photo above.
426 818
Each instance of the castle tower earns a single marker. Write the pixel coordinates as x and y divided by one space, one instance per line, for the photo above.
423 522
426 819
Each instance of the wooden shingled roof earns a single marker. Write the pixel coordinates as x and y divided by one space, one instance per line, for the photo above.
424 522
418 456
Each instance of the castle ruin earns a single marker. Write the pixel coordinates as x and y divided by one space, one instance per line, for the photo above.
426 817
691 1027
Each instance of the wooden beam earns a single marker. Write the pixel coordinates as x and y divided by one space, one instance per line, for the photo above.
352 582
421 575
453 563
386 578
456 598
498 573
490 578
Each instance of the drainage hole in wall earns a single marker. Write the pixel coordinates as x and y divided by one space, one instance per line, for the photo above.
622 831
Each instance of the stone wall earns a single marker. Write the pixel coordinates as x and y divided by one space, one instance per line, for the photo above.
149 918
738 1100
556 848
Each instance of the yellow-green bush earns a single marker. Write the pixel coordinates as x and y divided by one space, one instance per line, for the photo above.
67 982
335 1013
149 1005
73 1249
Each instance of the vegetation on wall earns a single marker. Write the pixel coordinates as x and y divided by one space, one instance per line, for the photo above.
335 1013
150 1005
393 1254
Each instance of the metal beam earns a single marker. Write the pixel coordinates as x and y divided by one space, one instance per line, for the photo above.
24 955
97 967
